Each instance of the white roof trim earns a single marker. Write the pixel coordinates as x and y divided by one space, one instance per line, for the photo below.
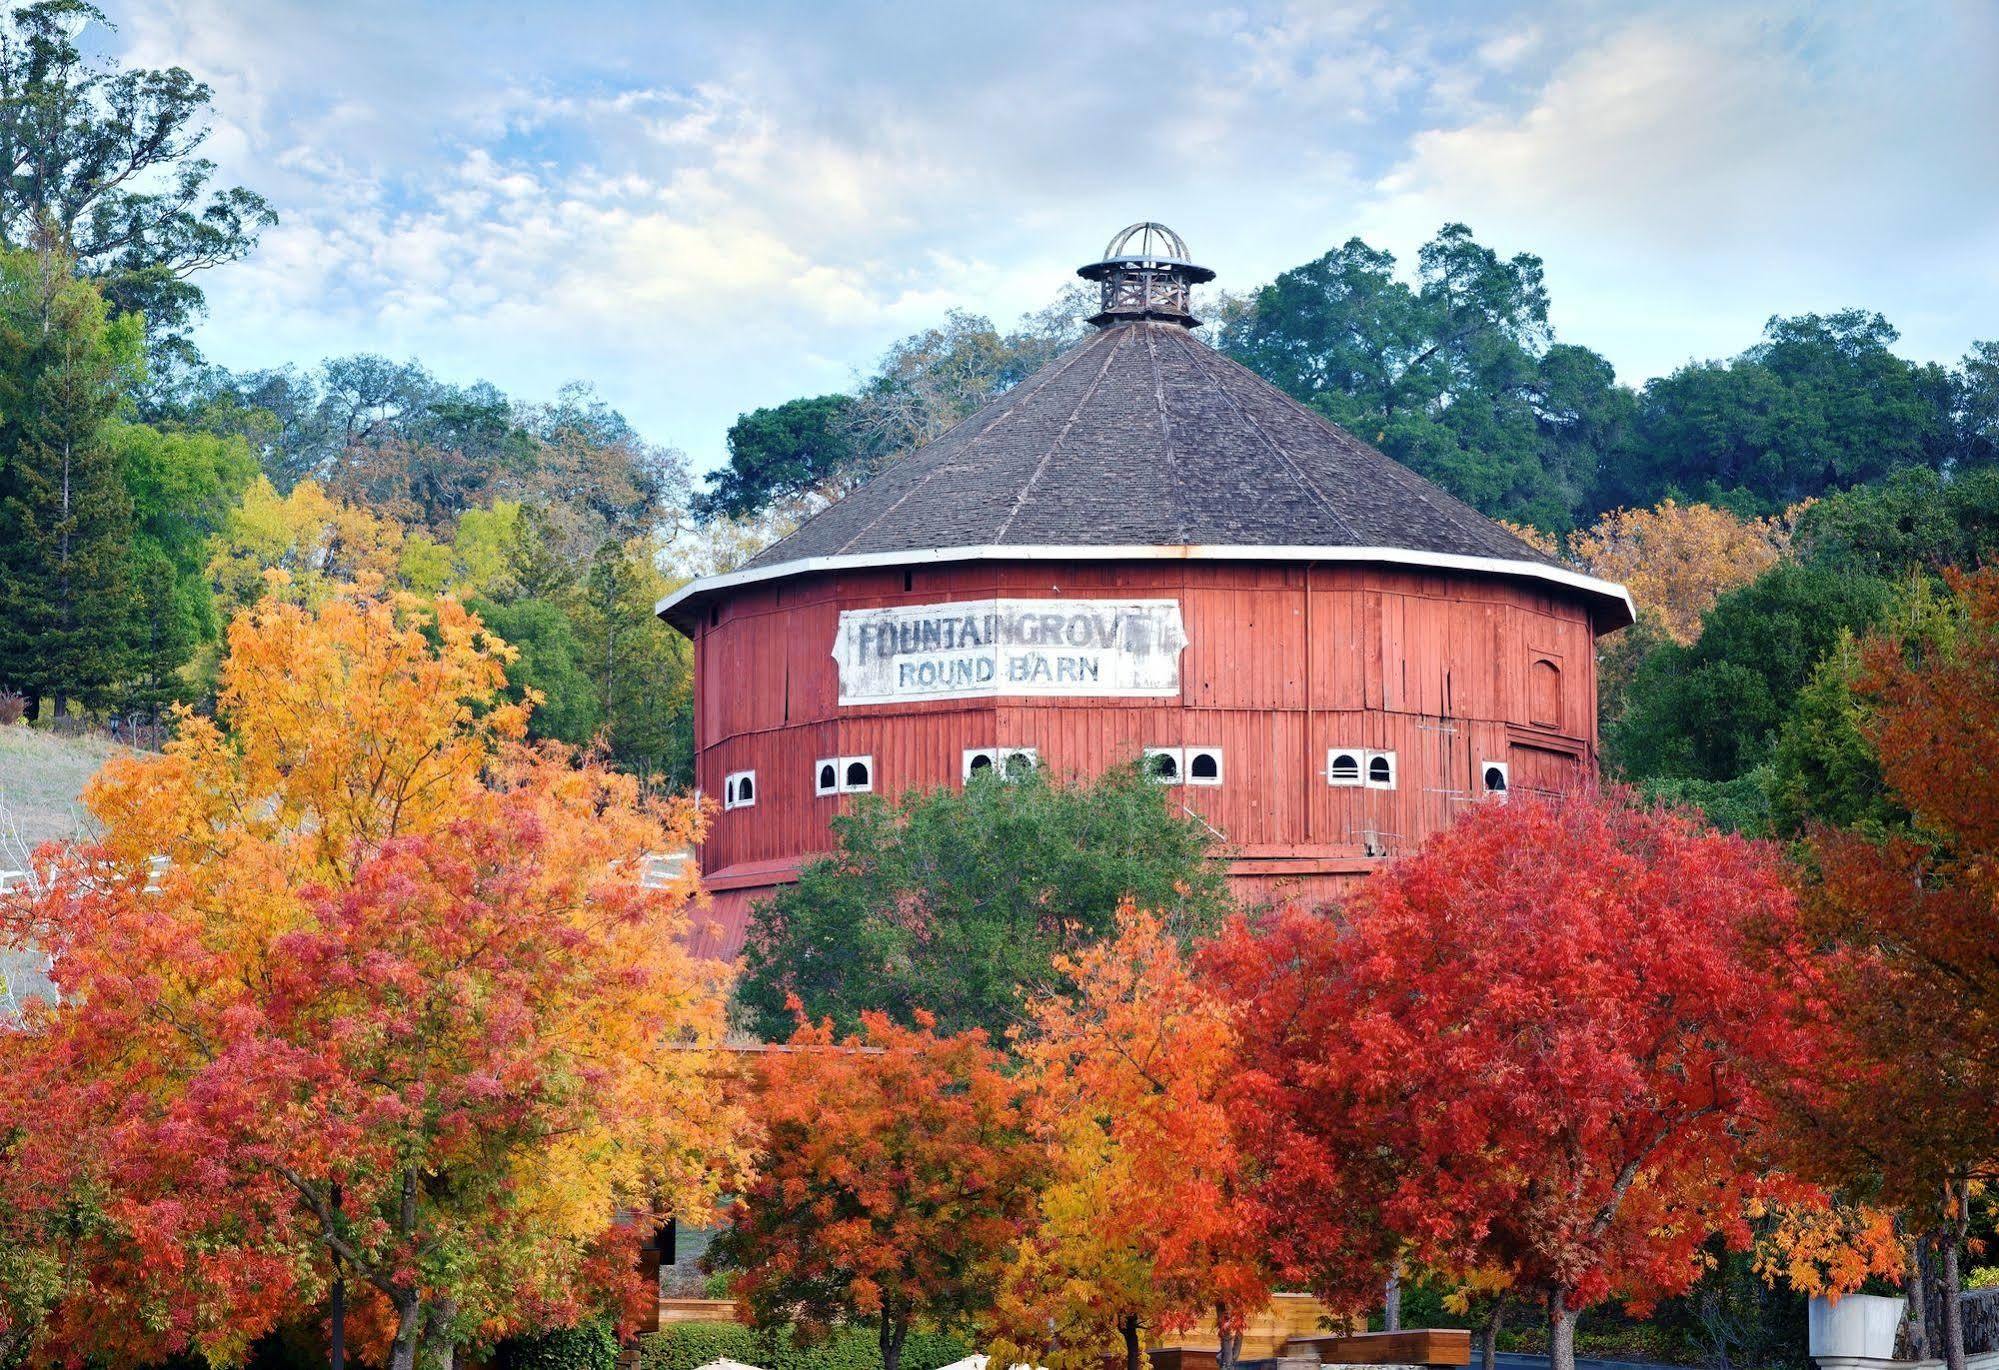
1394 556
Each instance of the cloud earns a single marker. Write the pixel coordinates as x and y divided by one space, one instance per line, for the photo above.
708 207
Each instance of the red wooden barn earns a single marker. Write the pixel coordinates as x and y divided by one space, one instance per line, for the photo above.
1143 549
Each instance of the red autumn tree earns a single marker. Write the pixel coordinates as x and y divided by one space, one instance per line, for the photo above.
1910 917
895 1173
1144 1223
1533 1045
357 991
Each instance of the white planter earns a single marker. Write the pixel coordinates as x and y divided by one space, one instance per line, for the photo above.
1859 1325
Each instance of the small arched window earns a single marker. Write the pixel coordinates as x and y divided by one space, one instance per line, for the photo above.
739 790
829 777
1343 768
860 775
1381 770
1493 774
1204 766
746 792
1163 764
983 761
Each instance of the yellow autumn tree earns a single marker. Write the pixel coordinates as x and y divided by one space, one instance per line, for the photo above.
1678 559
362 991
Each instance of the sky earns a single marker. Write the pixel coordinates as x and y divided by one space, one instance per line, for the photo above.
702 209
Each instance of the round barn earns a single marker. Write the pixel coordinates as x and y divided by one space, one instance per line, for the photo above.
1142 550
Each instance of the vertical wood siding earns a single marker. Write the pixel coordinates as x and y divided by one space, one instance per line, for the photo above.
1283 662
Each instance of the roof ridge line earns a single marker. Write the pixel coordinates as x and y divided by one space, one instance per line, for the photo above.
1166 437
1298 472
1020 500
1411 481
1014 398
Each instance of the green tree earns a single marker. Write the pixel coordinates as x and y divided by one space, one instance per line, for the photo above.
109 160
1711 710
66 518
789 449
550 663
1914 520
1820 404
954 901
183 486
641 672
1452 375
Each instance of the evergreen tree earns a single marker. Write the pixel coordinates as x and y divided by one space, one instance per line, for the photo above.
66 521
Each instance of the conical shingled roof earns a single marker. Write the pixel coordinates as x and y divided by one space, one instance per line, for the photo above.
1142 440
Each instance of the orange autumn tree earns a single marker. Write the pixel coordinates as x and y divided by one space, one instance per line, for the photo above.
1910 917
358 990
895 1172
1678 559
1143 1224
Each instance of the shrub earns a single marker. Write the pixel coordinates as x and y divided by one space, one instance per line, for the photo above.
13 707
690 1345
587 1346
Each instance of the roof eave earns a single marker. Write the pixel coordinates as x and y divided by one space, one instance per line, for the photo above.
1611 602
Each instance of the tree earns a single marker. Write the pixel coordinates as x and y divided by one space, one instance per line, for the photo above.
1677 560
954 902
109 162
1144 1223
896 1171
641 672
793 448
66 529
357 988
1537 1044
1712 710
1820 404
1915 520
1911 914
549 661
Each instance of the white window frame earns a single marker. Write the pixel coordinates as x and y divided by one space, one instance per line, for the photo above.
1394 770
841 785
1004 760
1179 758
1359 778
1505 780
732 783
1190 753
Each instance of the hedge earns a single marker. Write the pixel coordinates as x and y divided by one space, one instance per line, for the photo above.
691 1345
589 1346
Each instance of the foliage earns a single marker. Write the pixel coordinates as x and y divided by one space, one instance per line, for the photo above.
108 162
1914 520
1677 560
895 1171
590 1345
955 901
1820 404
1532 1045
66 519
1913 913
549 661
793 448
1453 377
691 1345
1144 1222
1711 710
1821 1248
395 996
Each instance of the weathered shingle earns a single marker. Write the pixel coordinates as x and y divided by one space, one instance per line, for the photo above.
1142 435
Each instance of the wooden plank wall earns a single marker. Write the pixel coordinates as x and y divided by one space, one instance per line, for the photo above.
1448 670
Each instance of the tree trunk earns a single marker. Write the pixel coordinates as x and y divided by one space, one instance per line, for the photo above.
893 1330
1134 1354
1922 1328
1561 1332
337 1323
1953 1307
440 1337
1391 1302
409 1321
1229 1349
1488 1334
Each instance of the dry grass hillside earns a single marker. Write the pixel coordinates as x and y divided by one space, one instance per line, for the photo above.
41 783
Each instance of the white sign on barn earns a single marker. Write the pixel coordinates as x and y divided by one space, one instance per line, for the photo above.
985 647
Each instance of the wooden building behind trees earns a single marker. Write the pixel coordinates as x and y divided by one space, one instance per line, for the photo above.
1142 551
